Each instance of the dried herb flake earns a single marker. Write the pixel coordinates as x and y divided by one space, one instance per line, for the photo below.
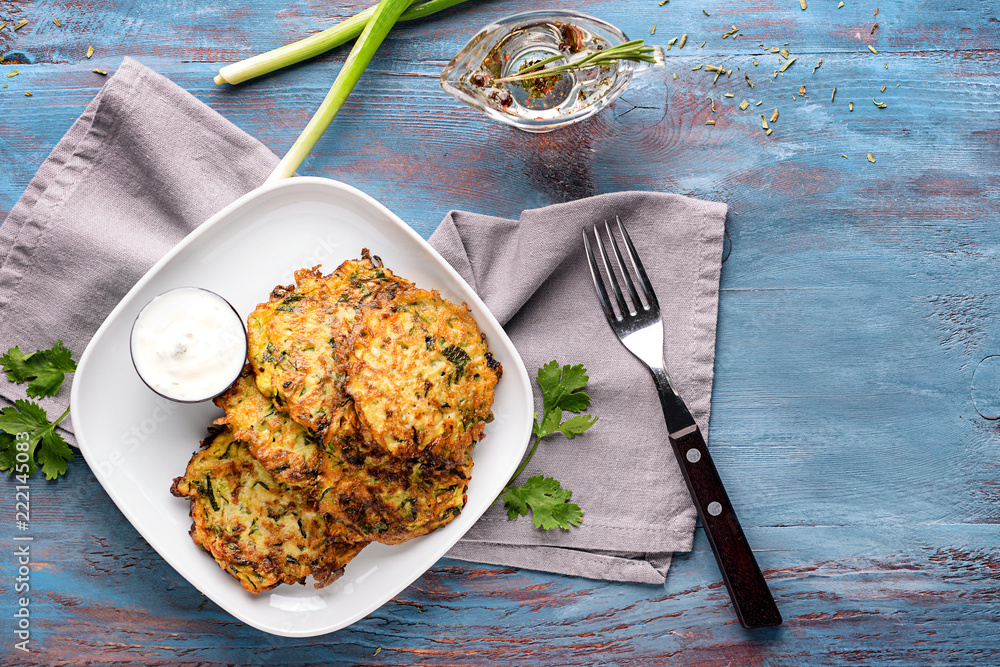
21 24
27 93
749 82
90 51
709 122
872 49
818 65
744 105
729 95
880 105
14 73
786 65
684 39
99 71
802 4
850 106
57 22
768 133
833 94
871 158
774 116
671 43
784 53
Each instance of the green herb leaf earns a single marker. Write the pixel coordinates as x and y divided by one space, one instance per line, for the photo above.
547 501
562 387
44 370
45 447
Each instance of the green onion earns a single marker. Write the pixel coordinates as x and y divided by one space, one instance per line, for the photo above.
314 45
386 14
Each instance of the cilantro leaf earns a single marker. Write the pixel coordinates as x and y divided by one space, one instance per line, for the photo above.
53 455
44 370
548 502
561 387
44 444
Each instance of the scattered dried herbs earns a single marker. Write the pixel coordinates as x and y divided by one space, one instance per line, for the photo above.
709 122
729 95
671 43
843 156
27 93
787 64
21 24
763 121
769 131
652 31
774 116
749 82
684 39
872 49
744 105
850 106
14 73
706 13
99 71
874 28
883 89
818 65
880 105
90 51
57 22
802 91
871 158
784 53
833 94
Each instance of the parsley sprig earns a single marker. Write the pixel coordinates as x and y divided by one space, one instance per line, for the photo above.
25 427
549 503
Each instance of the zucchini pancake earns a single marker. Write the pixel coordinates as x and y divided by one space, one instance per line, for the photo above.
353 422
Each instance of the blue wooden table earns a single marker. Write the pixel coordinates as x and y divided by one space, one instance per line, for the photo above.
858 301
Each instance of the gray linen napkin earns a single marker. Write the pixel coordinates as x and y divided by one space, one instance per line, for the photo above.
114 196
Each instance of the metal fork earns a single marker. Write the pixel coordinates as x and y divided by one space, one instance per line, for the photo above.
638 324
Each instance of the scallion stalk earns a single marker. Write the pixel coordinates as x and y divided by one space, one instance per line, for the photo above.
385 16
321 42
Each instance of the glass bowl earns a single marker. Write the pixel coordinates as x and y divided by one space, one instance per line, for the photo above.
501 49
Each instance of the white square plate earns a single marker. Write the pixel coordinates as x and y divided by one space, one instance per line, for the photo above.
137 443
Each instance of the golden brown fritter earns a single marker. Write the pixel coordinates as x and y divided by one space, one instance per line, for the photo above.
388 500
298 340
421 376
285 448
258 529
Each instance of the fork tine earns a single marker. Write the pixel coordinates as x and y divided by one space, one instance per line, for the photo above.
647 287
619 297
602 292
636 303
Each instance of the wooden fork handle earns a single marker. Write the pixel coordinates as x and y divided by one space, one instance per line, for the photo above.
755 607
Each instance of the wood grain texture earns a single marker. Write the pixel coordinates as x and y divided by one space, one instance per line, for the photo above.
856 304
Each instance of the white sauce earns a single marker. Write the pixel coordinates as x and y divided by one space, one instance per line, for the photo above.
188 344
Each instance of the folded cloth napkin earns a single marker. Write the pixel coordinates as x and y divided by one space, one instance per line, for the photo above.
115 195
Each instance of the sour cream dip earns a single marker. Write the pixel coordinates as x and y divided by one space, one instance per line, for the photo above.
188 344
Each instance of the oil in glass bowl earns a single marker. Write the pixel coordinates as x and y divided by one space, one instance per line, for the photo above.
476 76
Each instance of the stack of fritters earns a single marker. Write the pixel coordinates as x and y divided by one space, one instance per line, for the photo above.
356 416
